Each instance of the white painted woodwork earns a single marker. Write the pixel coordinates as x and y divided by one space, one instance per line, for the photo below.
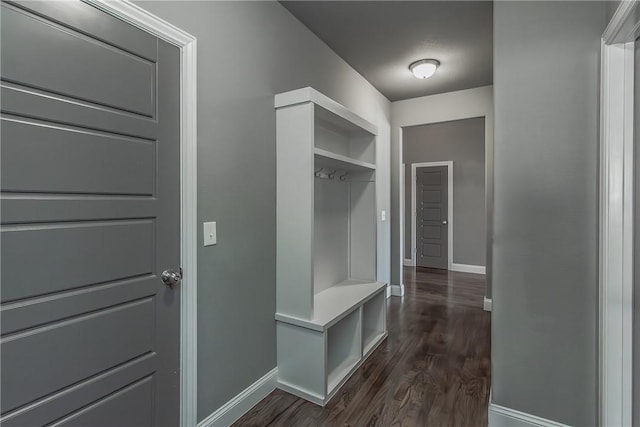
616 202
336 302
333 112
329 160
294 206
330 309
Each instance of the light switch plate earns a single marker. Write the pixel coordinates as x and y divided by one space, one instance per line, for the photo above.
383 216
210 233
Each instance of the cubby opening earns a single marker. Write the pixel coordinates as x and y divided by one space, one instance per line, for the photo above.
362 227
331 233
373 322
343 348
344 231
332 134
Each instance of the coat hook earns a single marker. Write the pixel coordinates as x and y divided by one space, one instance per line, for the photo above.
330 175
344 177
318 172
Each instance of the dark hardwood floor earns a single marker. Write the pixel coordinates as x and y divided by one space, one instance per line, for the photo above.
432 370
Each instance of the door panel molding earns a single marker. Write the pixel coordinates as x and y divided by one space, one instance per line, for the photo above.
187 44
40 35
83 393
414 167
616 200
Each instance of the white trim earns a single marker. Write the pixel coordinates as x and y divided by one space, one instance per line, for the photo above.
150 23
449 165
403 186
309 94
304 394
468 268
500 416
616 217
145 20
231 411
397 290
487 304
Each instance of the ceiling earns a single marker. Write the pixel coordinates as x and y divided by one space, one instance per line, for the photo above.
379 39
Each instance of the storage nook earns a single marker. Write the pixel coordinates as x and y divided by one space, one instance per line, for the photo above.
330 309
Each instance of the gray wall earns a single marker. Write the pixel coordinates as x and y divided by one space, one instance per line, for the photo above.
544 320
247 52
461 141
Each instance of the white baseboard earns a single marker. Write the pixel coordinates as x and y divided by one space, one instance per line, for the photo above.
297 391
397 290
488 304
231 411
468 268
408 262
500 416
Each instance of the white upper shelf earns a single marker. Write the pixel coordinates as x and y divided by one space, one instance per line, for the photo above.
327 159
335 113
334 303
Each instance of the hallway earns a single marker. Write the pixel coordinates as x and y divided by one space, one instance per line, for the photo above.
433 369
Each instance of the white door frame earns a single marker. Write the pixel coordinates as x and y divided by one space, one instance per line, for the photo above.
414 167
616 201
161 29
411 260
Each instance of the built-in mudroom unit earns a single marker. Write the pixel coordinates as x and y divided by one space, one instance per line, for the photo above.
330 309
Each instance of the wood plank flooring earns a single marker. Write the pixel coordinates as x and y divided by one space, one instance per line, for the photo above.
433 369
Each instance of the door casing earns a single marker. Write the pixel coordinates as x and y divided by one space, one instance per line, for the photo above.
414 167
187 44
616 200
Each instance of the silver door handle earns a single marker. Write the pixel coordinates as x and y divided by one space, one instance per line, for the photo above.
171 278
445 222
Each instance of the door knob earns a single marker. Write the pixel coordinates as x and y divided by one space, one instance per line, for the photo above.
171 278
445 222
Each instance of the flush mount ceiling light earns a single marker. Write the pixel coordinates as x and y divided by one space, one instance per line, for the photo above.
424 68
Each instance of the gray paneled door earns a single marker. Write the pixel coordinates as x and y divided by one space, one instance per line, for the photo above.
90 218
432 229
